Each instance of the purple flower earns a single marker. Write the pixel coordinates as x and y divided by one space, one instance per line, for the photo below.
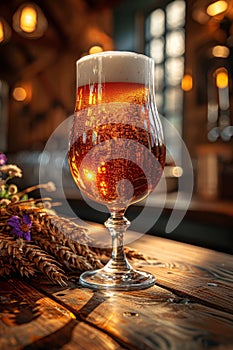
3 159
21 226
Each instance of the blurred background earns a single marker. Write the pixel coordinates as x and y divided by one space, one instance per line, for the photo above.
191 43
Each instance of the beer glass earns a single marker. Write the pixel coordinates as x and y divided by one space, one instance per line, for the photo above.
117 150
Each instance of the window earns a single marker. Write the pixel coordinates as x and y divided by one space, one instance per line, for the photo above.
165 43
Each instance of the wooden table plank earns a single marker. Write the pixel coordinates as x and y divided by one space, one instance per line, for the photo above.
198 273
148 319
31 320
165 316
158 318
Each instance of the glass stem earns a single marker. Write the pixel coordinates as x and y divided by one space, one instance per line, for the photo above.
117 225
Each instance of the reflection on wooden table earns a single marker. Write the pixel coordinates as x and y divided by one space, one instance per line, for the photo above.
190 307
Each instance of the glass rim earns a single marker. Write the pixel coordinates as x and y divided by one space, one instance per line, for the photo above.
114 53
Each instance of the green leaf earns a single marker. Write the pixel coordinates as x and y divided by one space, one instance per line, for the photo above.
24 197
3 194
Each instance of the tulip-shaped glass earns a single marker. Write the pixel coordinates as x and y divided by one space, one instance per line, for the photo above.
117 150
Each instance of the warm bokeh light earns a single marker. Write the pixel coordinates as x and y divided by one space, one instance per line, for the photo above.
177 171
22 93
19 94
173 171
95 49
1 32
28 19
187 82
221 79
220 51
5 31
217 7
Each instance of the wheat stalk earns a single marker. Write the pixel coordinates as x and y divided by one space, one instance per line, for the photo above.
62 253
57 245
45 263
12 250
69 252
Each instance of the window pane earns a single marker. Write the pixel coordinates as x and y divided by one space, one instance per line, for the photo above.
156 50
165 43
159 78
173 144
175 120
147 49
173 99
157 23
175 43
174 70
175 14
159 101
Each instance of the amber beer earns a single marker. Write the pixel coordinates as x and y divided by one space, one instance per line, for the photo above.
111 143
98 178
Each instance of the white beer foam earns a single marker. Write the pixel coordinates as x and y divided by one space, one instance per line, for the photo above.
114 66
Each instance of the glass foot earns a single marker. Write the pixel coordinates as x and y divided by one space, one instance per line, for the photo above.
126 280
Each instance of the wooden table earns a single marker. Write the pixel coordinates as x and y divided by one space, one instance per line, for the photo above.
190 307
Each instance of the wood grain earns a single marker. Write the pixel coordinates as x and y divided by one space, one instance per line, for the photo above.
168 315
31 320
201 274
149 319
190 307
